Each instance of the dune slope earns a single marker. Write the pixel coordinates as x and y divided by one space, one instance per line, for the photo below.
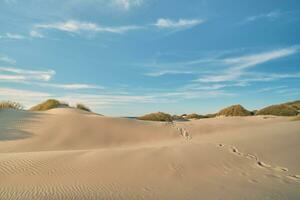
71 154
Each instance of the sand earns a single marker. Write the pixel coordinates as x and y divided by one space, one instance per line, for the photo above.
71 154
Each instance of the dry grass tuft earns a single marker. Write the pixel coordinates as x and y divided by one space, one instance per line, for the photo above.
83 107
195 116
159 116
10 105
49 104
235 110
279 110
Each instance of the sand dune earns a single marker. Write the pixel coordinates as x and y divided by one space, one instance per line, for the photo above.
71 154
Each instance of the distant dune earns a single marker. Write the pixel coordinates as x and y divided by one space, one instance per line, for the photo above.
235 110
67 153
286 109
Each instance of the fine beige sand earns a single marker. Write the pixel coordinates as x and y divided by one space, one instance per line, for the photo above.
70 154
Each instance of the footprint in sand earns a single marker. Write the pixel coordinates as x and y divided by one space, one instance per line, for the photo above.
183 132
294 177
262 164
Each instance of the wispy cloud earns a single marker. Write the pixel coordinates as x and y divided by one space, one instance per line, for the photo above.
9 73
269 16
26 97
73 26
196 94
71 86
127 4
13 36
167 72
10 92
238 65
266 77
118 4
95 101
36 34
16 36
6 59
164 23
271 89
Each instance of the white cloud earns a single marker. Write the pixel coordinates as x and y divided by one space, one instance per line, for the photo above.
167 72
6 59
30 97
193 94
270 16
238 65
26 97
127 4
123 5
98 101
77 27
36 34
270 89
199 87
71 86
264 77
36 77
9 92
13 36
164 23
25 75
12 78
253 60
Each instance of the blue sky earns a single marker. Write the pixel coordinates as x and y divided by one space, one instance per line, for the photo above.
130 57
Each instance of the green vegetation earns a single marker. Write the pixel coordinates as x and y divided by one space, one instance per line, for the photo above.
49 104
159 116
83 107
253 112
210 115
279 110
235 110
294 104
178 118
10 105
195 116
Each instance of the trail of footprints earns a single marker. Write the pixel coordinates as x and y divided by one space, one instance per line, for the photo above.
262 164
183 132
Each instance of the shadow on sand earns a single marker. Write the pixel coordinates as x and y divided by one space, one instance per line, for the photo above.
11 122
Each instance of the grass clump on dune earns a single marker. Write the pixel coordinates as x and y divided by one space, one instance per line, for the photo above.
83 107
195 116
159 116
10 105
177 117
210 115
49 104
294 104
235 110
279 110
